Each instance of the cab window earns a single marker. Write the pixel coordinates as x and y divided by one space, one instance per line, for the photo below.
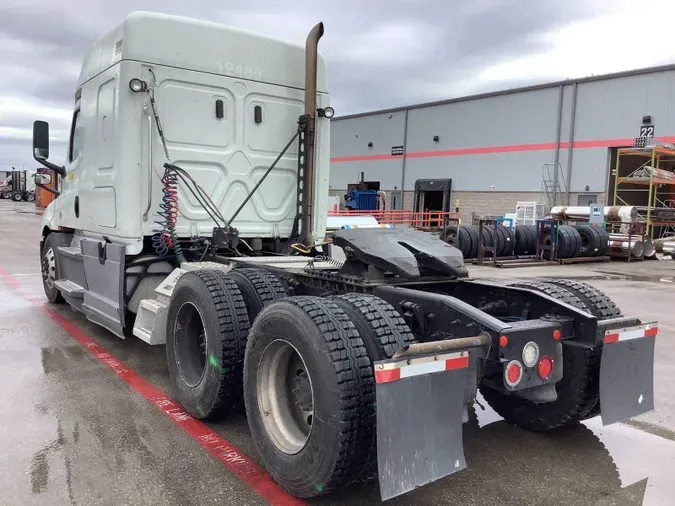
75 138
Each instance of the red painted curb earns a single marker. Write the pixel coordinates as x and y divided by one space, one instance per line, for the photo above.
234 460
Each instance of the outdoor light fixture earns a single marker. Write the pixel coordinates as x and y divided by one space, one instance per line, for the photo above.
137 85
327 112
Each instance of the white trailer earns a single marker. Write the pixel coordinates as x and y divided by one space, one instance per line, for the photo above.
192 214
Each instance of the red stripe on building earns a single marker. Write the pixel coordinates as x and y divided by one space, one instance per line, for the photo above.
515 148
239 464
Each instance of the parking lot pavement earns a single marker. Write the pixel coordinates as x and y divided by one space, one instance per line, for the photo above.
80 420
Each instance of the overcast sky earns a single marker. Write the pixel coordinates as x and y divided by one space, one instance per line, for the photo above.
380 53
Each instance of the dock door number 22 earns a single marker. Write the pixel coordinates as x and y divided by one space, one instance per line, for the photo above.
647 131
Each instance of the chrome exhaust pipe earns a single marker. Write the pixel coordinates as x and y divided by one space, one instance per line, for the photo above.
311 62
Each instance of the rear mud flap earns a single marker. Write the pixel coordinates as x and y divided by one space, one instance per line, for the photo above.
419 421
627 373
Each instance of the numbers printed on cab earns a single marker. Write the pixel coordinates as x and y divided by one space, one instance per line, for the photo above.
647 131
239 70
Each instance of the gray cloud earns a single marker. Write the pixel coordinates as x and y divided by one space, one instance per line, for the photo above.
380 53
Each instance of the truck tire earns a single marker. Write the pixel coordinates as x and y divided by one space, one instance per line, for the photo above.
594 240
526 239
259 287
576 391
464 241
595 302
50 271
505 239
489 240
17 197
472 230
384 331
206 331
603 308
309 390
557 292
382 328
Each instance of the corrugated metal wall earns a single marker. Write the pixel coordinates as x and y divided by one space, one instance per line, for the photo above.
504 140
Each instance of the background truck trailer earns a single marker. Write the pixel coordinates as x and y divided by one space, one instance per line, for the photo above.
192 213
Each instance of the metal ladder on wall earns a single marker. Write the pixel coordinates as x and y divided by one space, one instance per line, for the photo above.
552 193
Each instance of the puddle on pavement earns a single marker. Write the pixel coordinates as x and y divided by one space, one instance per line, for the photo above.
615 465
585 465
620 277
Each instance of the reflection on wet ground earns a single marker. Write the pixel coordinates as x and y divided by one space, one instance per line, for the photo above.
604 275
586 464
79 436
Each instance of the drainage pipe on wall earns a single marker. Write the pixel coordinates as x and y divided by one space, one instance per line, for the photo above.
405 155
570 148
556 158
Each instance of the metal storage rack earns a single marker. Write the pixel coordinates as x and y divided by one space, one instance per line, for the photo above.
657 171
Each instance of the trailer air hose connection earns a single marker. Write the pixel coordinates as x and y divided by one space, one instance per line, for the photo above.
165 237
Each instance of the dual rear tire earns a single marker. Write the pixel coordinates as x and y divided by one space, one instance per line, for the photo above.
301 366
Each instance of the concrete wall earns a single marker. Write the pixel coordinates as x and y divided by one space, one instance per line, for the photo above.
494 147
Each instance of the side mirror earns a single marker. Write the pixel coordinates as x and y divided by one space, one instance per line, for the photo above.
41 147
42 179
40 140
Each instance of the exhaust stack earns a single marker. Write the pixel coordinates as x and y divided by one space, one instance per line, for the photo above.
311 62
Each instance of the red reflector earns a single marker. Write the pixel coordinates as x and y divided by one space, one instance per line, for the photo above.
503 341
513 373
611 338
387 375
651 332
556 335
545 367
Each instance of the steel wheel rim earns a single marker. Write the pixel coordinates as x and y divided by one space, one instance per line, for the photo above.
49 268
285 396
189 345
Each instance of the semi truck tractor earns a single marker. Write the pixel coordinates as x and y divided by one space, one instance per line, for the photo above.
191 214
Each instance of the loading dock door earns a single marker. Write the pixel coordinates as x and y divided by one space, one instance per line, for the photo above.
433 195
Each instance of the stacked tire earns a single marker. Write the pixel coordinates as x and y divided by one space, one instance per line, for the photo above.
568 242
526 240
579 241
502 239
594 241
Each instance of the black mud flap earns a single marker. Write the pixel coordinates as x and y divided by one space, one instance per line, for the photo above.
420 402
627 372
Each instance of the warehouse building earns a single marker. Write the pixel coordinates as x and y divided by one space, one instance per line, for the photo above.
553 143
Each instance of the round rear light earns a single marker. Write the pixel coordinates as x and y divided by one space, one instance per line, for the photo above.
545 368
503 341
556 335
530 354
514 373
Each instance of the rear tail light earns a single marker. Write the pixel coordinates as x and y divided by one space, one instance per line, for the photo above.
514 373
545 367
530 354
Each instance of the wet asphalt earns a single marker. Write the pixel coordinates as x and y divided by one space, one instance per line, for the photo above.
72 432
